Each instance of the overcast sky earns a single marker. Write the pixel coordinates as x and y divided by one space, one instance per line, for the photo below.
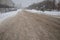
25 3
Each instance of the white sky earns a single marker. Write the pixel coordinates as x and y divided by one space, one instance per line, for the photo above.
25 3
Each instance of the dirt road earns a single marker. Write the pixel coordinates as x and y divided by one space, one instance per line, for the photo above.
30 26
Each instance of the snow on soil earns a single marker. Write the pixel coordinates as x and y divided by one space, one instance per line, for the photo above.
45 12
13 13
52 12
8 14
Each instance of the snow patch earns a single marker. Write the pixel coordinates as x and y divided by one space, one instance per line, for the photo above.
45 12
34 11
52 12
3 16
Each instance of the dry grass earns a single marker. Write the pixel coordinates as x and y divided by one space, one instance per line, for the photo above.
29 26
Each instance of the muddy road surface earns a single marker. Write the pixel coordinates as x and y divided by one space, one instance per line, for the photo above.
30 26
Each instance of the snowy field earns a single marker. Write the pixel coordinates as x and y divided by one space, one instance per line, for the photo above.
3 16
45 12
13 13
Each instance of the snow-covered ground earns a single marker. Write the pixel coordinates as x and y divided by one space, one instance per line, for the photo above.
45 12
13 13
52 12
8 14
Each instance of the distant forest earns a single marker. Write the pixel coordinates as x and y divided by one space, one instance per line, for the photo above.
45 5
6 4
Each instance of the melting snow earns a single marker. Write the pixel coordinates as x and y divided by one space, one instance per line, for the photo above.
13 13
45 12
8 14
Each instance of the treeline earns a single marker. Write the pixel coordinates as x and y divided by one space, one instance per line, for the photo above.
5 6
45 5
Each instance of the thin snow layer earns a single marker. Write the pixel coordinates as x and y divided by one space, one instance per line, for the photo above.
13 13
52 12
3 16
45 12
34 11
